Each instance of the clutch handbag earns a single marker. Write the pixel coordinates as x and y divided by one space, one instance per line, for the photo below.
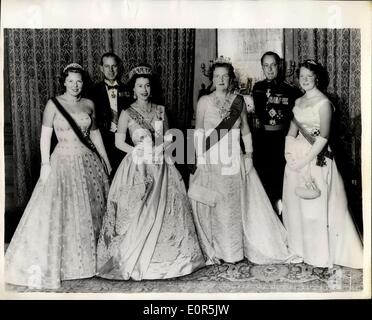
202 194
309 191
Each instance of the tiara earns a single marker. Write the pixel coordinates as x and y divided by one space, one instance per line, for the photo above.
311 61
222 59
139 70
73 65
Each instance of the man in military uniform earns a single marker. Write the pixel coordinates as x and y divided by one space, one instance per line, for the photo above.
273 99
110 97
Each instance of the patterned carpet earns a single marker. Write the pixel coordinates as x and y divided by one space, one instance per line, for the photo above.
242 277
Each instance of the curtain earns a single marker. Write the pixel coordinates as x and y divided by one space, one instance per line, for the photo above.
37 56
170 53
339 50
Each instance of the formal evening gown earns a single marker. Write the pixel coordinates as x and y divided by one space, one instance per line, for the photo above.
57 234
148 230
236 220
320 230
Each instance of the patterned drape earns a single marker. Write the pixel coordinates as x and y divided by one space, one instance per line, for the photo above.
339 51
170 52
35 60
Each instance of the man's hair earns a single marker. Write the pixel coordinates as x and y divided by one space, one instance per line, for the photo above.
273 54
110 55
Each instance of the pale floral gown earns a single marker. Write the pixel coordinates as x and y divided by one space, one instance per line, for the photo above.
240 221
56 237
148 230
320 230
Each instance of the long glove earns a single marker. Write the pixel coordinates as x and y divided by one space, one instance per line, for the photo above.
199 139
159 150
316 148
248 146
289 149
121 144
96 138
45 138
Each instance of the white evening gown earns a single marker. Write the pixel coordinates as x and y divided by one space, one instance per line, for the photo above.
57 235
240 221
321 230
148 230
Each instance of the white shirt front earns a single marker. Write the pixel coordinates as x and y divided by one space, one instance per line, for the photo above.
112 95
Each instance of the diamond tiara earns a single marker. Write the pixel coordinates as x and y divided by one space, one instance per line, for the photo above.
139 70
73 65
312 61
222 59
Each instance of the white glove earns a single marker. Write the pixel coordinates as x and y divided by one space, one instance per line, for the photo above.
247 140
137 153
96 138
316 148
168 139
44 172
199 140
45 138
248 164
288 149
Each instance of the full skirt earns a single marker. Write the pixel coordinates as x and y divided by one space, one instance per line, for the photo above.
56 236
240 221
148 230
320 230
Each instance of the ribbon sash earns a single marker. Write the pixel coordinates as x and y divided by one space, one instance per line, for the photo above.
136 116
223 127
83 137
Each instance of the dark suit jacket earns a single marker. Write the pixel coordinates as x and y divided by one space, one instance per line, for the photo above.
98 94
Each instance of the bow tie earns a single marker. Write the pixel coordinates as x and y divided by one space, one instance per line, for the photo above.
112 87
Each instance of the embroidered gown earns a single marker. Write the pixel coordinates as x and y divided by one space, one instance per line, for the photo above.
148 231
56 237
240 221
320 230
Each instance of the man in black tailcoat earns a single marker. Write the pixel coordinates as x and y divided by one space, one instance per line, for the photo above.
110 97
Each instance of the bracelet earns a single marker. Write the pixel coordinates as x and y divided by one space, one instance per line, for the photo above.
45 163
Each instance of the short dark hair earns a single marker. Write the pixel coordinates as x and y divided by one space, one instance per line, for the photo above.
226 65
273 54
110 55
319 71
66 71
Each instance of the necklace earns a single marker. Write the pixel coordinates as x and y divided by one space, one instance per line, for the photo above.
223 105
71 99
148 115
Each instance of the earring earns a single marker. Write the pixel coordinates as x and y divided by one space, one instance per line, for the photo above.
134 96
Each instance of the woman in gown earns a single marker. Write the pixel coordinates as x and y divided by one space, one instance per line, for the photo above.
320 228
232 213
148 230
56 237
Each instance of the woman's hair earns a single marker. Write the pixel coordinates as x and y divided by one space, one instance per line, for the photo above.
132 81
73 68
319 71
144 70
226 65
